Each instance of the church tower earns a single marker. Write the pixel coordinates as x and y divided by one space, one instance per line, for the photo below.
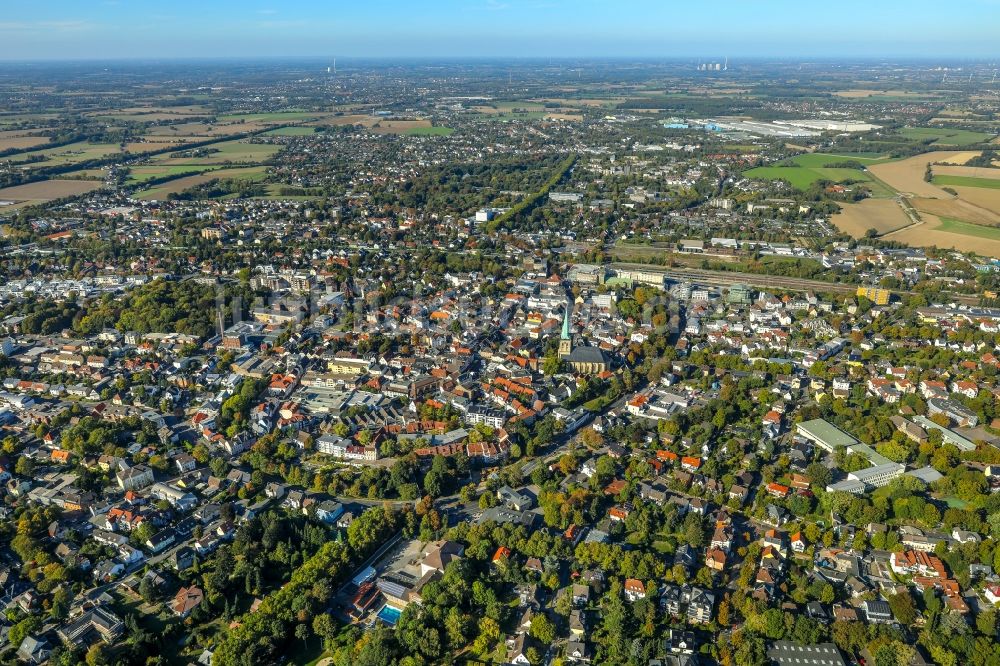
565 339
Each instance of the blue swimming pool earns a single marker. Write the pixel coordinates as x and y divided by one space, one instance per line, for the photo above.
389 615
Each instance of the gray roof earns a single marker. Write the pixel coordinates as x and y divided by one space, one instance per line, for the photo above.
791 653
822 430
587 354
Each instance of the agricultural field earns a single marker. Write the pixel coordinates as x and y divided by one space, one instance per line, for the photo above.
223 153
945 136
291 131
400 126
966 172
983 197
141 174
349 119
47 190
199 129
966 181
20 142
959 209
163 190
907 175
882 94
882 215
814 160
69 154
153 145
951 233
271 118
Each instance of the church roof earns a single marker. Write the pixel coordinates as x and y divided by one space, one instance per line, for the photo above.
587 354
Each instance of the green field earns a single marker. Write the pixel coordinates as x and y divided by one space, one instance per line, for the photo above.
968 181
944 136
953 226
802 177
430 131
141 174
814 160
291 131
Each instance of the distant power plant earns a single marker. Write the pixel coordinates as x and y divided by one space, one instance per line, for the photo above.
714 66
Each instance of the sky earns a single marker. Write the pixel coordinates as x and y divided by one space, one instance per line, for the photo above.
101 29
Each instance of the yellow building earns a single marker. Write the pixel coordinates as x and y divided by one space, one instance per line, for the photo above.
875 295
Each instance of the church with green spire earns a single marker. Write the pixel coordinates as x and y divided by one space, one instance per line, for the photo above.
565 339
584 359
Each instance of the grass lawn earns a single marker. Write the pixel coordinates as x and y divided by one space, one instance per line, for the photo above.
663 547
944 136
968 181
430 131
968 229
955 503
291 131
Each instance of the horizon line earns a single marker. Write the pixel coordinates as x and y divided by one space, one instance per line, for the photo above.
562 58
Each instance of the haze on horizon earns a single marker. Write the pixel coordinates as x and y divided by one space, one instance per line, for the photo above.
70 30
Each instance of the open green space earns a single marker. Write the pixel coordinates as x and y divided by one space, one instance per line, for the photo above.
968 181
430 131
944 136
954 226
